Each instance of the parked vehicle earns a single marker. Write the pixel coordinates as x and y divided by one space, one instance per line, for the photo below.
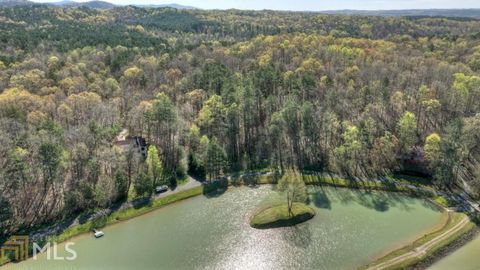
161 189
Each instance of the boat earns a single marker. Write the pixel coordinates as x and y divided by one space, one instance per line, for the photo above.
97 233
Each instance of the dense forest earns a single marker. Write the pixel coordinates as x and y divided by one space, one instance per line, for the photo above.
216 92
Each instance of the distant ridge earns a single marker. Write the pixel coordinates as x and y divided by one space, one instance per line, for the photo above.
91 4
96 4
11 3
460 13
173 5
473 13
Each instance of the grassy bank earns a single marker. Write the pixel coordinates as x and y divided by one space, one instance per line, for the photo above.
390 184
278 216
125 214
453 218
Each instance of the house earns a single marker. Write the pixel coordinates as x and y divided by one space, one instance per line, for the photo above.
417 156
414 163
125 141
141 144
121 139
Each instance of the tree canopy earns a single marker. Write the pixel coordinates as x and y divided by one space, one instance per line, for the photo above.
223 92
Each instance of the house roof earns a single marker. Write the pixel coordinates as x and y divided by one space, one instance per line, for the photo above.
122 136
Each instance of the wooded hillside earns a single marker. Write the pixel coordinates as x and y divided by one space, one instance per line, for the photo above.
215 92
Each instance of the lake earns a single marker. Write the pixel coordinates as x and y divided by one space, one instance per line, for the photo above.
350 229
465 258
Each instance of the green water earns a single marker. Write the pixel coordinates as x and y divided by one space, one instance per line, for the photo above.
350 229
466 258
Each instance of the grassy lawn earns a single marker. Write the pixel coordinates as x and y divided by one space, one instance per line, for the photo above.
277 216
442 201
316 178
413 179
322 179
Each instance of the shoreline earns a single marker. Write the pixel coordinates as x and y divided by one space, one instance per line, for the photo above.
444 219
118 216
447 250
421 249
125 214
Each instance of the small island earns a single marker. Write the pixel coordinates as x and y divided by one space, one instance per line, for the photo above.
290 213
279 216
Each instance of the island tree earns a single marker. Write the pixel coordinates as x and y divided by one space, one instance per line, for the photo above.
293 188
